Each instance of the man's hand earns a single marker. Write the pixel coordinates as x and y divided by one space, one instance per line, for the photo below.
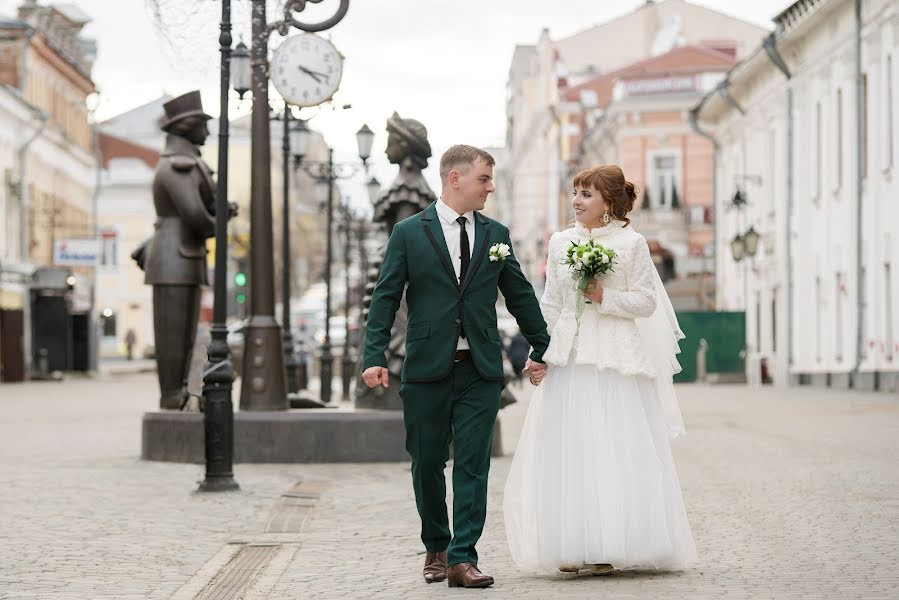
536 371
375 376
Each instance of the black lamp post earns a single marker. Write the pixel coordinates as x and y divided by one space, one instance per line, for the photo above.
290 359
347 363
218 373
325 174
263 384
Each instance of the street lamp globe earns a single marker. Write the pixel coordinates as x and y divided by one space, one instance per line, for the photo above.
240 69
299 139
365 137
374 189
751 240
737 247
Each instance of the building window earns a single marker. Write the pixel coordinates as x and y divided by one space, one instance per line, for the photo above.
109 248
758 321
864 148
839 139
863 289
888 320
888 130
838 321
818 318
665 178
774 320
818 151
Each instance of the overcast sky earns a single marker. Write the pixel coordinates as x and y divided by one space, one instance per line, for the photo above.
443 62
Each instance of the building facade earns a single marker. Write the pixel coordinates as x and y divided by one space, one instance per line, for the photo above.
545 123
642 124
49 171
806 158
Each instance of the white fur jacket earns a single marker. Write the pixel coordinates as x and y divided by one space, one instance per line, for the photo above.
607 334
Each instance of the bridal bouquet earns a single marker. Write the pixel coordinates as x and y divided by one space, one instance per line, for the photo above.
587 260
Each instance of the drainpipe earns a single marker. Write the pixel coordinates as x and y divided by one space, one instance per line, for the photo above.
23 60
93 323
23 149
24 241
722 91
770 45
693 120
859 158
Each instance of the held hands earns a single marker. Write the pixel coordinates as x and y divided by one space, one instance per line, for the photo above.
593 293
536 371
375 376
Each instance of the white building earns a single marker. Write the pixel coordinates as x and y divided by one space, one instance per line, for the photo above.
806 131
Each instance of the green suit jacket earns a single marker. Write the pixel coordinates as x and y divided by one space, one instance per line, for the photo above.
417 261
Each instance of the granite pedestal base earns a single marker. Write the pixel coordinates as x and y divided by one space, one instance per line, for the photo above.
293 436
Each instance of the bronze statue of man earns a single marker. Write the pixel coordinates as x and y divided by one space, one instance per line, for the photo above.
175 257
408 147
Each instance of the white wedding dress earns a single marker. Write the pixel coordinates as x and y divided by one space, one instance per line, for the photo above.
593 480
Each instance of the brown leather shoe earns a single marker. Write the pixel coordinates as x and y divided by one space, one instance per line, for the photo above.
601 569
467 575
435 567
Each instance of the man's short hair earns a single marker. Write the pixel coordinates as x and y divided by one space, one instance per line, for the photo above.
461 154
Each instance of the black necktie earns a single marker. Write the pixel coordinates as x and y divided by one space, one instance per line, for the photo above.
464 248
465 256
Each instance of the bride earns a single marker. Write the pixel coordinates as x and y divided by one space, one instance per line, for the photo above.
593 484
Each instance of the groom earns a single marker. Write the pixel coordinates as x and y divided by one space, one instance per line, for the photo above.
449 260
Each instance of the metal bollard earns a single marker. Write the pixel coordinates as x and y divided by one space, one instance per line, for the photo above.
702 373
43 363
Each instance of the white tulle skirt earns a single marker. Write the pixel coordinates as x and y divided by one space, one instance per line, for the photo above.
593 480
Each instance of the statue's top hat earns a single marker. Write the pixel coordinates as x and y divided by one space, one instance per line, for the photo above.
182 107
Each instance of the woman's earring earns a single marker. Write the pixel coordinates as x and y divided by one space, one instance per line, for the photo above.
606 218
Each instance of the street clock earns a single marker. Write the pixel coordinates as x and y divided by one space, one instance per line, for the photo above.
306 70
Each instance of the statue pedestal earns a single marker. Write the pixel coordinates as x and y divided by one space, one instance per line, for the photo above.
294 436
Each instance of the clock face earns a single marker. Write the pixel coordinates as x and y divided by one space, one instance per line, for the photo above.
306 70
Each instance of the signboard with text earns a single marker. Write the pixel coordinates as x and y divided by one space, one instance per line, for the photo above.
76 252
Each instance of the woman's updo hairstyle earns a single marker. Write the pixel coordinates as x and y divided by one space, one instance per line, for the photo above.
618 193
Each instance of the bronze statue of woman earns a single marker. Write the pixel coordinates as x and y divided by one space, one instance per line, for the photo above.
408 147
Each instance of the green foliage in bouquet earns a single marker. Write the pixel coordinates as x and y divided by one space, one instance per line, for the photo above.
588 260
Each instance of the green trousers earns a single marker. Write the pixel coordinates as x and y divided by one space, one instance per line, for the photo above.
460 409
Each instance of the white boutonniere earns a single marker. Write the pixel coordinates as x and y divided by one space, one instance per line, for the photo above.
499 252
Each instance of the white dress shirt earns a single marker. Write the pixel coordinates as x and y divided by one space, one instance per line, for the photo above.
451 233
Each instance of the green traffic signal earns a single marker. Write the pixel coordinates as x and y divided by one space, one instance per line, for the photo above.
240 279
241 298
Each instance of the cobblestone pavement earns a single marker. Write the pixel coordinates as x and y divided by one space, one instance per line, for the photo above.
791 494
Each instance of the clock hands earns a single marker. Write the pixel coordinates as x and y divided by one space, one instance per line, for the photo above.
317 76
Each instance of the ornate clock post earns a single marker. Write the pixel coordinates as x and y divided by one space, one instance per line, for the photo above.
263 385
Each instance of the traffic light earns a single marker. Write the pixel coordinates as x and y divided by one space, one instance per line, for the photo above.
240 280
